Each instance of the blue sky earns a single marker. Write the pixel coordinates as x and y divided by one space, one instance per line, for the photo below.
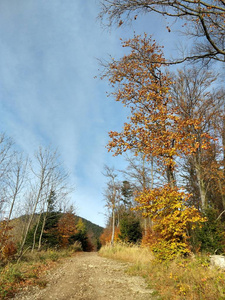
48 93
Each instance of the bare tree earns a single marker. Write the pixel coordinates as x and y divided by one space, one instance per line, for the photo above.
46 163
143 175
140 172
16 179
203 20
6 154
193 95
57 191
112 196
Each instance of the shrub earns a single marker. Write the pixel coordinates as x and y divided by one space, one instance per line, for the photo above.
166 206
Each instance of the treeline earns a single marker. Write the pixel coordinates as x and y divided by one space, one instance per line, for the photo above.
175 138
175 133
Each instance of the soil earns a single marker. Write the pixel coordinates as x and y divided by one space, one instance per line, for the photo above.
87 276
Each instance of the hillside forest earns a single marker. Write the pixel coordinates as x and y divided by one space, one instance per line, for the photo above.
35 209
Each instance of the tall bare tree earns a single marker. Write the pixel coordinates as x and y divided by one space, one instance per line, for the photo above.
45 164
6 155
203 20
192 93
143 174
16 179
112 196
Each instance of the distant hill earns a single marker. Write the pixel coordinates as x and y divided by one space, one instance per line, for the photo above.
91 227
19 225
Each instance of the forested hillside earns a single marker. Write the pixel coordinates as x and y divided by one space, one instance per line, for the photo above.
88 229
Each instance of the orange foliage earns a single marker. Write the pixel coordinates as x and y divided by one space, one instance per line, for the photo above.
171 218
106 236
9 250
155 127
66 228
7 247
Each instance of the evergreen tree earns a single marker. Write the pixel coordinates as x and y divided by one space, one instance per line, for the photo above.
130 228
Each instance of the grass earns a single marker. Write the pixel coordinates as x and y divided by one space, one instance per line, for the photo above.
182 278
29 271
129 253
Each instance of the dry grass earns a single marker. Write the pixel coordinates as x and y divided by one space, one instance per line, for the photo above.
29 271
190 278
129 253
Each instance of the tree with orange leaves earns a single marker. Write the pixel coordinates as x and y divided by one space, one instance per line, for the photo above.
155 129
66 228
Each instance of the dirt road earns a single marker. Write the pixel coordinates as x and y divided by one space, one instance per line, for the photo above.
87 276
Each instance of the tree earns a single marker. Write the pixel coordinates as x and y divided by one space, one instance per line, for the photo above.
130 228
66 228
46 164
50 236
111 197
50 207
203 20
210 237
155 128
82 236
141 173
16 179
6 155
192 93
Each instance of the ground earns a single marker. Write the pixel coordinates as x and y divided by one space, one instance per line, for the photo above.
87 276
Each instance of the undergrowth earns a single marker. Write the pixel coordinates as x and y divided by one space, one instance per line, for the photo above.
29 271
189 278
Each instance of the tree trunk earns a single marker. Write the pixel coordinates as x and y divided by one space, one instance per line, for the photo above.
35 233
31 218
170 176
42 230
201 186
113 225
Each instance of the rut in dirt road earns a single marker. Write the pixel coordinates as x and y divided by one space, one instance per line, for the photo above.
88 276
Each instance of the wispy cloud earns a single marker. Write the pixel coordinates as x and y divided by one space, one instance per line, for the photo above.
48 52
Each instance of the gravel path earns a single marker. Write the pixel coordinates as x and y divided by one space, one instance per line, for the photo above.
88 276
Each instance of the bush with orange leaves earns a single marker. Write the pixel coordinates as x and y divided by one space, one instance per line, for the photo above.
7 247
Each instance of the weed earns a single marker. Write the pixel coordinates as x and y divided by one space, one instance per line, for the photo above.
29 271
10 276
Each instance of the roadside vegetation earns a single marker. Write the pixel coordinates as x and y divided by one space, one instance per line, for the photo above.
182 278
61 235
170 198
31 270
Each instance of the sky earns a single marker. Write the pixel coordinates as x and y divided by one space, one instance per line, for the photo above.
49 57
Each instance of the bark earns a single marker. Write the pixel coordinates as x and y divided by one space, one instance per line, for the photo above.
113 226
35 232
170 176
201 185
